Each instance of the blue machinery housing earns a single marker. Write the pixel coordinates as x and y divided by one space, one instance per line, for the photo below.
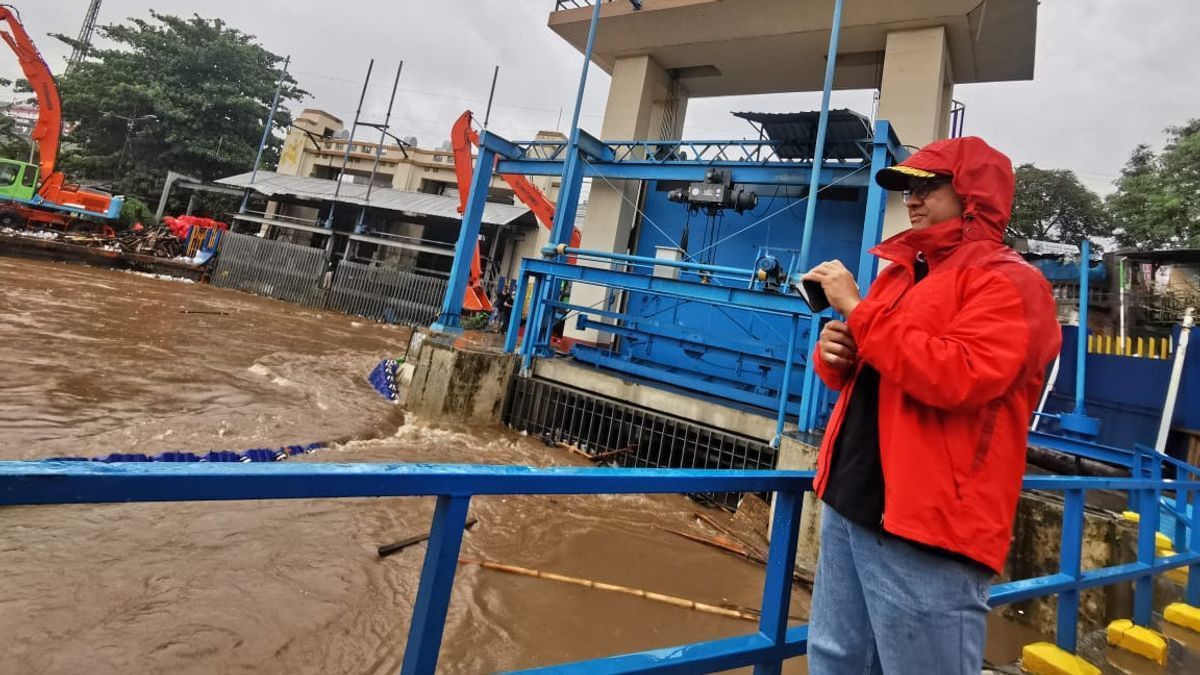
50 482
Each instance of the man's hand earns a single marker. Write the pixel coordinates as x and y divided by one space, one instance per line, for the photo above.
839 285
837 346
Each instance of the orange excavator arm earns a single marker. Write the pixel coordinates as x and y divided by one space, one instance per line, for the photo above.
462 138
48 128
53 189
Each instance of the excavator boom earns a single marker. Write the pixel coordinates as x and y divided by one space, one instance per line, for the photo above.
462 138
38 194
48 128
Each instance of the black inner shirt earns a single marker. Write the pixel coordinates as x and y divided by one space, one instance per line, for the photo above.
855 485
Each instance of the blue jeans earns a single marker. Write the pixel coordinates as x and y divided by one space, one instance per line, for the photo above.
882 605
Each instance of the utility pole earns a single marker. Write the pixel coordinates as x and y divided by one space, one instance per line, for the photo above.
491 95
383 134
268 125
337 187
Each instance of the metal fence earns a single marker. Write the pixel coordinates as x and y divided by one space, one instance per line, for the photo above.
386 294
276 269
295 273
66 482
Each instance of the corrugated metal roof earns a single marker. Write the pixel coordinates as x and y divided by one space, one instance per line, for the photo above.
274 184
848 136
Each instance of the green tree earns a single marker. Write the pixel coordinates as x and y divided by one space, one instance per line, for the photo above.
207 85
1157 202
12 144
135 211
1051 204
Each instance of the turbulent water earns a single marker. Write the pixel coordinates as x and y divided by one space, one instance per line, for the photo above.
97 361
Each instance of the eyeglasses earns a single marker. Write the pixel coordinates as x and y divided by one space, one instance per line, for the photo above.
924 188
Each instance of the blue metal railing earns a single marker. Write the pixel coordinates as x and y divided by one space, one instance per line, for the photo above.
50 482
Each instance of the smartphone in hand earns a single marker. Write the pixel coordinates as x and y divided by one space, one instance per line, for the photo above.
814 294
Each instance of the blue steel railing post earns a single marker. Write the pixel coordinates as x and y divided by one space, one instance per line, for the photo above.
545 318
807 391
876 206
781 565
1148 502
1193 584
514 320
572 176
450 319
268 126
786 385
1136 471
814 183
1070 558
810 214
531 324
1085 252
437 580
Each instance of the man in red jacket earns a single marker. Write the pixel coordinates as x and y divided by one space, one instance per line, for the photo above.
939 369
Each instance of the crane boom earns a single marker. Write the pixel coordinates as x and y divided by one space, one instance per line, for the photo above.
38 194
462 138
48 128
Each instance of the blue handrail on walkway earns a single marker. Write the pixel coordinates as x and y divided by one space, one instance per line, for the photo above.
49 482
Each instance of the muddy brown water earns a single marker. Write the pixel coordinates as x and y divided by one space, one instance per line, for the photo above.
98 361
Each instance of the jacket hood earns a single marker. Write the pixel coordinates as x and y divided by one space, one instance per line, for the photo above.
981 175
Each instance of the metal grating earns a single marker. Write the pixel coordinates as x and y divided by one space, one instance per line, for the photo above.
597 425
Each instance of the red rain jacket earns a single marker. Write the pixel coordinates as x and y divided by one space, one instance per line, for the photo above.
961 358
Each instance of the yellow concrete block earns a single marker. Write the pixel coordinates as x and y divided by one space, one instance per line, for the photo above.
1162 541
1182 614
1123 634
1044 658
1178 575
1133 516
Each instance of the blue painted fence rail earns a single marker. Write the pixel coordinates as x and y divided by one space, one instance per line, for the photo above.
50 482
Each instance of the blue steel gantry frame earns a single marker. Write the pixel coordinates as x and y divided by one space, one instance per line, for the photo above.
748 162
702 283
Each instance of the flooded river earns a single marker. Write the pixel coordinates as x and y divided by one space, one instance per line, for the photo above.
98 361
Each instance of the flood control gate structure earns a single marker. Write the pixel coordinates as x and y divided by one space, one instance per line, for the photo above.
706 301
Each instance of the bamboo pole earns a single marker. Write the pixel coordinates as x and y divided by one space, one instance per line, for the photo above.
588 583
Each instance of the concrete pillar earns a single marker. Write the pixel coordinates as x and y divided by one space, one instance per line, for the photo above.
643 104
915 97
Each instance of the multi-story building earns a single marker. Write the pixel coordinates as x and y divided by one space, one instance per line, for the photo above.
395 204
316 145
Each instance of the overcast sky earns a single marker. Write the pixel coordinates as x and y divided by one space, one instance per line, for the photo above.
1110 73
